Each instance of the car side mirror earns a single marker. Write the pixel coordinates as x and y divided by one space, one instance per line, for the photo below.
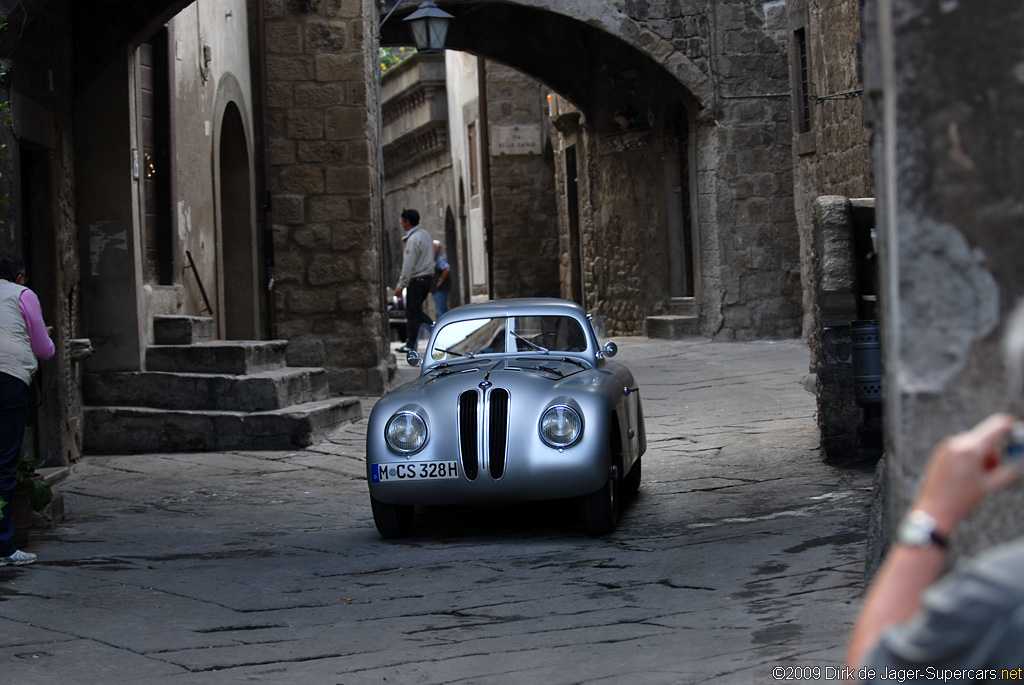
413 359
610 349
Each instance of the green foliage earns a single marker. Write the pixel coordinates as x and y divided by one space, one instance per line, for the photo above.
39 492
389 57
39 495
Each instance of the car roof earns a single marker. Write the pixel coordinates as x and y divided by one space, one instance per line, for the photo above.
536 306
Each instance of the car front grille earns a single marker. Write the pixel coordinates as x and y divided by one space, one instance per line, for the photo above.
494 431
498 438
468 430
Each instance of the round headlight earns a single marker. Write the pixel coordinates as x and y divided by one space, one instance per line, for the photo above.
560 426
406 432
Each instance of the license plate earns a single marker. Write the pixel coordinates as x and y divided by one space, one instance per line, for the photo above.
414 470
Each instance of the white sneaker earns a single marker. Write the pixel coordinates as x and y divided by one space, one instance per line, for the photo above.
19 558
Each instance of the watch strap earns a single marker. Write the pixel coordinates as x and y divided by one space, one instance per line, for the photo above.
919 529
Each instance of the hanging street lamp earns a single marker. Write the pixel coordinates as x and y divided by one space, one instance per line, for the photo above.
429 26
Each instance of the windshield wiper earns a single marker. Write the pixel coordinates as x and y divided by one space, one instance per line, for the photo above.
531 343
454 353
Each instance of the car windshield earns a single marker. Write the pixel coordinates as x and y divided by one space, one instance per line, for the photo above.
513 334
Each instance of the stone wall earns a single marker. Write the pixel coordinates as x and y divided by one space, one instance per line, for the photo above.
723 69
523 209
848 396
754 224
324 169
949 174
735 142
39 220
832 156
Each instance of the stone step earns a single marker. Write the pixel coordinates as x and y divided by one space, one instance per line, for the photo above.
220 357
262 391
136 430
683 306
182 330
672 327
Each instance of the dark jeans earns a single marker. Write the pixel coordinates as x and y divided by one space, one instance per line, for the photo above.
440 302
415 295
13 414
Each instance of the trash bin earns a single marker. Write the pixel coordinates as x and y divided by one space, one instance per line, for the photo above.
867 363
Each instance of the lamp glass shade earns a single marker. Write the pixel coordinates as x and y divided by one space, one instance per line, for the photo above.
429 26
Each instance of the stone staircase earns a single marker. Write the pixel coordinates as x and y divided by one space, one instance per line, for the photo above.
199 394
681 321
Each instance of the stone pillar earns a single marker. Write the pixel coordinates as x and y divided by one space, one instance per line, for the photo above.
949 151
834 308
324 178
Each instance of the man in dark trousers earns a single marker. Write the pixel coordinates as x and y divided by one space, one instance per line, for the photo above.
417 275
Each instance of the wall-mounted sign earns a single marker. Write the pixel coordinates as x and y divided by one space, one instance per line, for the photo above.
516 140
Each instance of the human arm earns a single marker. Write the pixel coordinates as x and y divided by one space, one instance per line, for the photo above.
961 472
38 331
417 244
404 278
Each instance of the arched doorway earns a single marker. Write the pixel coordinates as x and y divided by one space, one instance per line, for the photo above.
239 316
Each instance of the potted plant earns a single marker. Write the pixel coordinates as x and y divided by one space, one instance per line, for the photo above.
31 493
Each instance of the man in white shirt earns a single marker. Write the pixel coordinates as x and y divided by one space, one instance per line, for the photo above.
417 275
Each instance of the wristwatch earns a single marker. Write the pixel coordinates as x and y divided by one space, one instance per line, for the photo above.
918 529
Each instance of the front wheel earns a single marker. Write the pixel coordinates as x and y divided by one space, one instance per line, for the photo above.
392 520
601 508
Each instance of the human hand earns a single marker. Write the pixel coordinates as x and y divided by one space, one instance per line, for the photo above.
963 469
49 331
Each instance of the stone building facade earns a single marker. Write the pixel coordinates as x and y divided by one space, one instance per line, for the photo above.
417 158
122 200
679 135
323 175
522 185
833 195
830 144
681 125
482 181
38 178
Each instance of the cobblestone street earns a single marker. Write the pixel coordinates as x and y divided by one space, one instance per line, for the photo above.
742 553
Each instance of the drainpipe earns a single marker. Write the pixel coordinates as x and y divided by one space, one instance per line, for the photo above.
265 206
485 172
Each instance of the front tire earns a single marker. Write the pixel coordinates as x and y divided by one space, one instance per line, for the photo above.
393 520
601 508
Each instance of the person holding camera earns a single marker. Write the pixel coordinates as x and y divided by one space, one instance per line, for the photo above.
971 621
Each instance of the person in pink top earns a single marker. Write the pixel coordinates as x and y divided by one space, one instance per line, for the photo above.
24 339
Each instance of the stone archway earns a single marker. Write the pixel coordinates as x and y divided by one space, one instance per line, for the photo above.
610 60
624 75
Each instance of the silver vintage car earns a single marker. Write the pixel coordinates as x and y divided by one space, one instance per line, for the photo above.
516 401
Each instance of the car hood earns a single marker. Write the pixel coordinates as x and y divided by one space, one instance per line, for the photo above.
510 372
